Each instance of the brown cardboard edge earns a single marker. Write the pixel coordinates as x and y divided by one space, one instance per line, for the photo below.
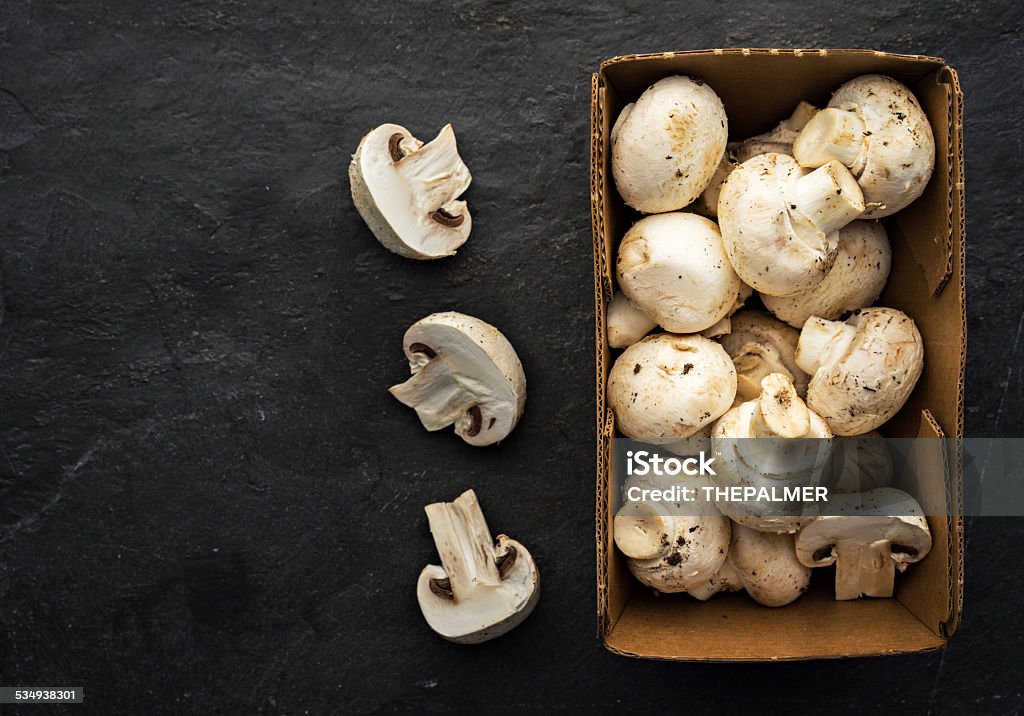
746 660
796 52
956 222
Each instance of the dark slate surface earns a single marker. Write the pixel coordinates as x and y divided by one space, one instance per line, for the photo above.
209 502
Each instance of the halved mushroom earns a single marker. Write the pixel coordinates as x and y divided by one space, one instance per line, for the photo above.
406 191
855 280
483 589
875 126
666 146
779 223
668 387
759 345
673 268
464 371
867 536
762 563
771 442
862 371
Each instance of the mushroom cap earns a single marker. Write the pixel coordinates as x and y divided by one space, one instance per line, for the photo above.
770 248
861 463
464 372
899 153
410 204
673 268
767 566
668 146
670 386
862 377
881 514
855 280
707 203
758 345
626 324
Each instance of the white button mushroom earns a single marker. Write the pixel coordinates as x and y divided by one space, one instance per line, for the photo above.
775 459
875 126
707 203
483 589
761 563
464 371
668 387
855 280
867 536
673 268
861 463
406 191
779 222
780 139
862 371
759 345
667 146
626 323
668 550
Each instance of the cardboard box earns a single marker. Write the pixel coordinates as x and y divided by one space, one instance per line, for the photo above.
759 88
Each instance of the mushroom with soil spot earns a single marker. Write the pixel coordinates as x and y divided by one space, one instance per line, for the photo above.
862 371
763 564
875 126
406 191
868 536
483 589
779 221
668 387
759 345
464 371
674 269
771 442
855 280
666 146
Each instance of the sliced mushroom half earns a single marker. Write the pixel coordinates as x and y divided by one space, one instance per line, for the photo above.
464 371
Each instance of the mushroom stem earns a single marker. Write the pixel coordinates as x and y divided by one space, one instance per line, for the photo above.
803 114
832 134
819 335
864 569
464 542
829 197
754 362
639 531
780 412
435 394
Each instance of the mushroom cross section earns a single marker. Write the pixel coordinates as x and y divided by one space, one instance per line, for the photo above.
867 536
482 589
406 191
464 371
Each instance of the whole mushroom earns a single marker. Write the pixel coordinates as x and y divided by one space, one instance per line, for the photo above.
755 445
668 387
482 589
759 345
626 324
464 371
673 268
763 564
667 145
868 536
875 126
668 550
862 371
406 191
855 280
779 221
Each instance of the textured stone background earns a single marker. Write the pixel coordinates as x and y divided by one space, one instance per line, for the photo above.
209 502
